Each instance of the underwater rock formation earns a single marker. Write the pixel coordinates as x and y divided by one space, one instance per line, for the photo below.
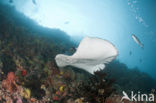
129 79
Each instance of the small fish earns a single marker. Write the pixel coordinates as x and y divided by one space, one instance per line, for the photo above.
67 22
137 41
34 2
130 53
10 1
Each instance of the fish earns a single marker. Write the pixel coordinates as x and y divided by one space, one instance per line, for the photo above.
136 39
34 2
130 53
67 22
10 1
91 55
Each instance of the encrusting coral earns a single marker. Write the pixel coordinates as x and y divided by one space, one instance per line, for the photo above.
61 90
9 83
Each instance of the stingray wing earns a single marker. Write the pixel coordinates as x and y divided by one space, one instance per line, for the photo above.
93 53
95 48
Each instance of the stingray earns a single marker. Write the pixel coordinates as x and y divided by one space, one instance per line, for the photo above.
91 55
137 41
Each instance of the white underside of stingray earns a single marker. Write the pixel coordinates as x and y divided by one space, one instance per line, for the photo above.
92 54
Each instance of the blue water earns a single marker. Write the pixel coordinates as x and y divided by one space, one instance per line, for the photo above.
114 20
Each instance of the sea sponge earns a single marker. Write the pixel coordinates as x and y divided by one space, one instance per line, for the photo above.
9 83
27 93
